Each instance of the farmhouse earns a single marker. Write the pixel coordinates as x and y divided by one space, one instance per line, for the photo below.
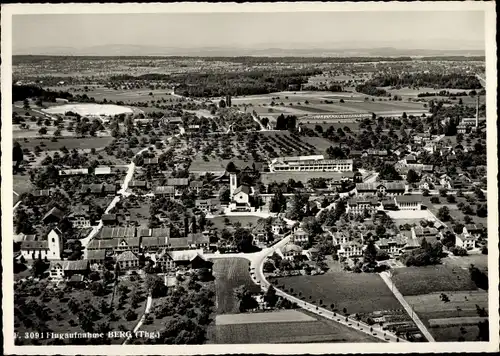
430 234
316 163
392 246
127 260
80 267
109 219
95 257
473 230
278 226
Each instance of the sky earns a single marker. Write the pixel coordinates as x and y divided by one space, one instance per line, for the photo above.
425 29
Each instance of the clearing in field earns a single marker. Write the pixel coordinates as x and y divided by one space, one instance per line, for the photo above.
279 316
244 220
357 293
478 260
90 109
231 273
429 279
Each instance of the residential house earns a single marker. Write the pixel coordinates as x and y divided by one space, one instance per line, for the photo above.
109 219
198 240
54 215
127 260
278 226
179 184
207 205
49 248
167 191
473 230
80 217
56 271
393 245
42 193
129 244
196 186
95 257
340 238
430 234
261 232
410 159
408 202
350 249
291 252
156 241
299 237
150 161
362 205
465 241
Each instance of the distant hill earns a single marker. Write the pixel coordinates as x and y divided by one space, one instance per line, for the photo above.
139 50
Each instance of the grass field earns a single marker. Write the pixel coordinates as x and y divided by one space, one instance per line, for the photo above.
70 142
243 220
230 273
358 293
429 279
320 330
21 184
443 334
478 260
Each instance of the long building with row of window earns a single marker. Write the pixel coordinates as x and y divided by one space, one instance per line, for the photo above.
316 163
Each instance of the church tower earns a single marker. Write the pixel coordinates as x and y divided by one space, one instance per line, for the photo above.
233 184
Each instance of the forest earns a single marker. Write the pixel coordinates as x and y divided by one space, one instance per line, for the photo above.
421 79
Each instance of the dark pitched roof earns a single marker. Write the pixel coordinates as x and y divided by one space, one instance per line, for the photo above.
182 182
412 198
54 212
242 188
111 232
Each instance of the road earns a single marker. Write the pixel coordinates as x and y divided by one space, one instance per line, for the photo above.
257 265
149 303
121 193
387 279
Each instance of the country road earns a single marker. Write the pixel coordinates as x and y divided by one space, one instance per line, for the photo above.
387 279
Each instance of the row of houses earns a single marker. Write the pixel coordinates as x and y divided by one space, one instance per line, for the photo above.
98 171
371 204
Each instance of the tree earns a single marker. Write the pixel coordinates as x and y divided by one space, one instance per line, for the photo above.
451 199
222 103
434 200
39 267
244 240
443 213
278 202
42 131
17 154
156 286
443 192
270 297
231 168
245 298
412 176
370 254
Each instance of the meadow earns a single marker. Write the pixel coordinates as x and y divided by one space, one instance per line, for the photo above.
357 293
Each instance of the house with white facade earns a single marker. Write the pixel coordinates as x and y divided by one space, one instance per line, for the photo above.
409 202
49 248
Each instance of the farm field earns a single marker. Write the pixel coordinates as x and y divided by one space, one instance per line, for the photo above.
444 320
278 316
231 273
357 293
268 177
127 96
317 330
286 144
69 142
429 279
454 211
